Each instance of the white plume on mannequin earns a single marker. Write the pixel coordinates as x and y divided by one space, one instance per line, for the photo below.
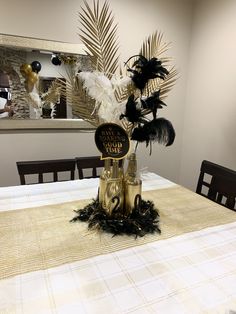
102 90
36 103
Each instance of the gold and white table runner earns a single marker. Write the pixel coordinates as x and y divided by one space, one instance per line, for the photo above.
191 273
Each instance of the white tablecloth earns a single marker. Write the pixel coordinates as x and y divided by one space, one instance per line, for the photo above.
25 196
191 273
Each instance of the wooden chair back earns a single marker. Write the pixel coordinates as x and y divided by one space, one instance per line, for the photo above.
42 167
91 162
222 184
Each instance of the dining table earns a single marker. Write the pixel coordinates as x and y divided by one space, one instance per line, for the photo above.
50 265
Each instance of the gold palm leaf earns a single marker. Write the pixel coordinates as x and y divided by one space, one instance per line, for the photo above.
72 90
154 47
99 35
164 85
52 94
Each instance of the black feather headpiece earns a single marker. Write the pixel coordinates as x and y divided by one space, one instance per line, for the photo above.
158 130
143 70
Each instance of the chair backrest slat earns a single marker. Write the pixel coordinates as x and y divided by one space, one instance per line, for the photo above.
41 167
222 183
55 176
40 178
22 179
91 162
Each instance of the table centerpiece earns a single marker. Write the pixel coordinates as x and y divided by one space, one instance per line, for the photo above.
123 103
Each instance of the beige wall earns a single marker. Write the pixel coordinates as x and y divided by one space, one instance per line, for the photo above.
210 114
57 20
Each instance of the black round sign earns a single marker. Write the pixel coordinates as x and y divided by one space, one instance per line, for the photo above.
112 141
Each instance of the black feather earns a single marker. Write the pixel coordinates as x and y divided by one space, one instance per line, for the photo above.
142 220
143 70
132 113
158 130
153 103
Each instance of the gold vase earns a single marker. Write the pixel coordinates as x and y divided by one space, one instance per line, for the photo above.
133 185
119 193
105 175
114 191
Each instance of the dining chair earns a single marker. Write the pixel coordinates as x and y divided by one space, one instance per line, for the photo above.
92 162
221 185
42 167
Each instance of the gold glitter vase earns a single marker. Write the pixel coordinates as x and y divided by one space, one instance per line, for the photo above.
114 191
133 185
105 175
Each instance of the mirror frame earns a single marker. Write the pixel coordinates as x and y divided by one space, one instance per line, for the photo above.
11 41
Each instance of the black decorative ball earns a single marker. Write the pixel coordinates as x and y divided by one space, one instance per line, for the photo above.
55 60
36 66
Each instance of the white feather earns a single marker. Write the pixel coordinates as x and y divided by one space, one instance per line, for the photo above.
120 82
100 88
38 113
36 100
111 113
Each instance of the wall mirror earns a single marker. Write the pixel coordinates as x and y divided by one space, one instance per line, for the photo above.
28 68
